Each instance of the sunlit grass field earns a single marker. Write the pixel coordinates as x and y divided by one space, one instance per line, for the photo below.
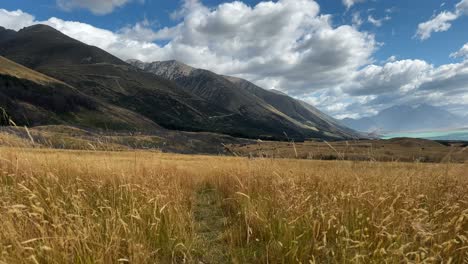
59 206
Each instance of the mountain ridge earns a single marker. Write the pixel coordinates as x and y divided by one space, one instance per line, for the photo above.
180 97
201 82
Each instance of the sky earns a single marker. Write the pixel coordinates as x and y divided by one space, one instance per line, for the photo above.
349 58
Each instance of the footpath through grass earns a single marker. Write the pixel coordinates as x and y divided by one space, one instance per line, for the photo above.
210 223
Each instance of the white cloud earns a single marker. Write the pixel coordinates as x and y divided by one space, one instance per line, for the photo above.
142 31
357 20
463 52
15 20
99 7
407 81
377 22
403 75
441 22
392 58
448 79
350 3
462 7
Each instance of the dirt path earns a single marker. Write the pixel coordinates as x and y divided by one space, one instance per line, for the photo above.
210 225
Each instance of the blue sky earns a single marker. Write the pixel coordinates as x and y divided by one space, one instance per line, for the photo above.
387 63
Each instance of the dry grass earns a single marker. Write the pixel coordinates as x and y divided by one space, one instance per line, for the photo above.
142 207
67 137
403 149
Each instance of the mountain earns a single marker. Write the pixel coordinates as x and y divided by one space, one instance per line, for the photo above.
6 34
406 118
41 45
296 109
246 102
104 77
174 96
30 98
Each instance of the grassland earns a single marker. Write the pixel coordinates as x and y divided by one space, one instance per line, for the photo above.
75 206
393 150
398 149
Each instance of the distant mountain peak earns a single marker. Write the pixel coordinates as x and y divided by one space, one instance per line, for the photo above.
39 45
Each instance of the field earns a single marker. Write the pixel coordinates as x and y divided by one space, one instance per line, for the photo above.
398 149
77 206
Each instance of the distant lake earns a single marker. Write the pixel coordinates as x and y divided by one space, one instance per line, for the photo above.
456 134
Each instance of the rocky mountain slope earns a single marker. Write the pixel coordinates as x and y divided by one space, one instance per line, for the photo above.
30 98
245 100
296 109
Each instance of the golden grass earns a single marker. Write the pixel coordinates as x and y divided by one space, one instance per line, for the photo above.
7 139
404 149
142 207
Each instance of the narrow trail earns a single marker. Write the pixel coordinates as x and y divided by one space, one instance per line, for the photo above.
210 226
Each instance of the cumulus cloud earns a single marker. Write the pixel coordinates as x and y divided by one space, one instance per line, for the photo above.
406 82
142 31
449 78
15 19
100 7
403 75
442 21
439 23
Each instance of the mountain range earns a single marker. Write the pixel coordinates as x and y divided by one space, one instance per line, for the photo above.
240 99
47 77
404 118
